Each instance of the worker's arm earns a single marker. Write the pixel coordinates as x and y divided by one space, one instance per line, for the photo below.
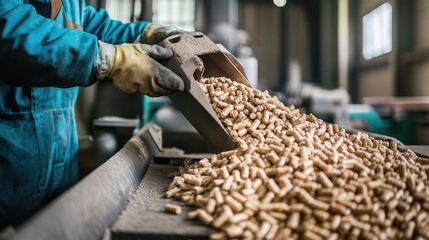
116 32
108 30
132 67
38 52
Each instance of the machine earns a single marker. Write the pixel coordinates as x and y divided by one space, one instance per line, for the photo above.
124 197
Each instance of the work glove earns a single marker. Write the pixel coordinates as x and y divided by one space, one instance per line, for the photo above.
155 33
134 68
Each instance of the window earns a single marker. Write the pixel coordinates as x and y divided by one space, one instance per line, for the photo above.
377 32
179 13
119 9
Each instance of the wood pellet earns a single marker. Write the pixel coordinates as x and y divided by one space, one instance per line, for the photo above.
173 208
294 176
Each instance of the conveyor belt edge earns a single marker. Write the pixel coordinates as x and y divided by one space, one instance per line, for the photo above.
91 206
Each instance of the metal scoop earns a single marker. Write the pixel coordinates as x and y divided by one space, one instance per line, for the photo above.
196 56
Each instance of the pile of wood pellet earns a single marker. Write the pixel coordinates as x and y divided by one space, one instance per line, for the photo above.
294 176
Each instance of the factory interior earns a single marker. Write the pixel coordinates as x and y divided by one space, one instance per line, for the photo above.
359 65
323 57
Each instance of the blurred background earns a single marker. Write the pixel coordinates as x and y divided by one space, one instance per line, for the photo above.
360 64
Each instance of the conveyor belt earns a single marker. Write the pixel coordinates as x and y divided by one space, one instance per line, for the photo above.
144 216
90 208
121 200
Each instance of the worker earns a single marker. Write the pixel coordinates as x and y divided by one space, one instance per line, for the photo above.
48 49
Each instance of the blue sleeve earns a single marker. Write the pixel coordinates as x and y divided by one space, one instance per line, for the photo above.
108 30
38 52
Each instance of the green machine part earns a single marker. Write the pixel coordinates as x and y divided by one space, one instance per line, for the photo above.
149 108
403 129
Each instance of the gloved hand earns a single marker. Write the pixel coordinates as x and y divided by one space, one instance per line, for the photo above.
133 68
155 33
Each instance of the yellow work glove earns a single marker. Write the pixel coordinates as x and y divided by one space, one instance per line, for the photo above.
134 68
155 33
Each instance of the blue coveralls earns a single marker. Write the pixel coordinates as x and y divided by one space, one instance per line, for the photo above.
47 49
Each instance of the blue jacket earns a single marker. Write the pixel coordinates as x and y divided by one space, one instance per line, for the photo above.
47 49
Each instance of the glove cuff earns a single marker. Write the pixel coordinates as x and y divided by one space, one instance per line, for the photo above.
103 63
139 39
154 33
148 33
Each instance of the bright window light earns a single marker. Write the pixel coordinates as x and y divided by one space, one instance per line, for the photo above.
280 3
179 13
119 10
377 32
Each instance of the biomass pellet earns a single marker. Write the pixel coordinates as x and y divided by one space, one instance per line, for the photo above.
173 208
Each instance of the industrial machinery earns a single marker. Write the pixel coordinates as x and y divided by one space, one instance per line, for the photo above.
124 197
94 207
404 118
